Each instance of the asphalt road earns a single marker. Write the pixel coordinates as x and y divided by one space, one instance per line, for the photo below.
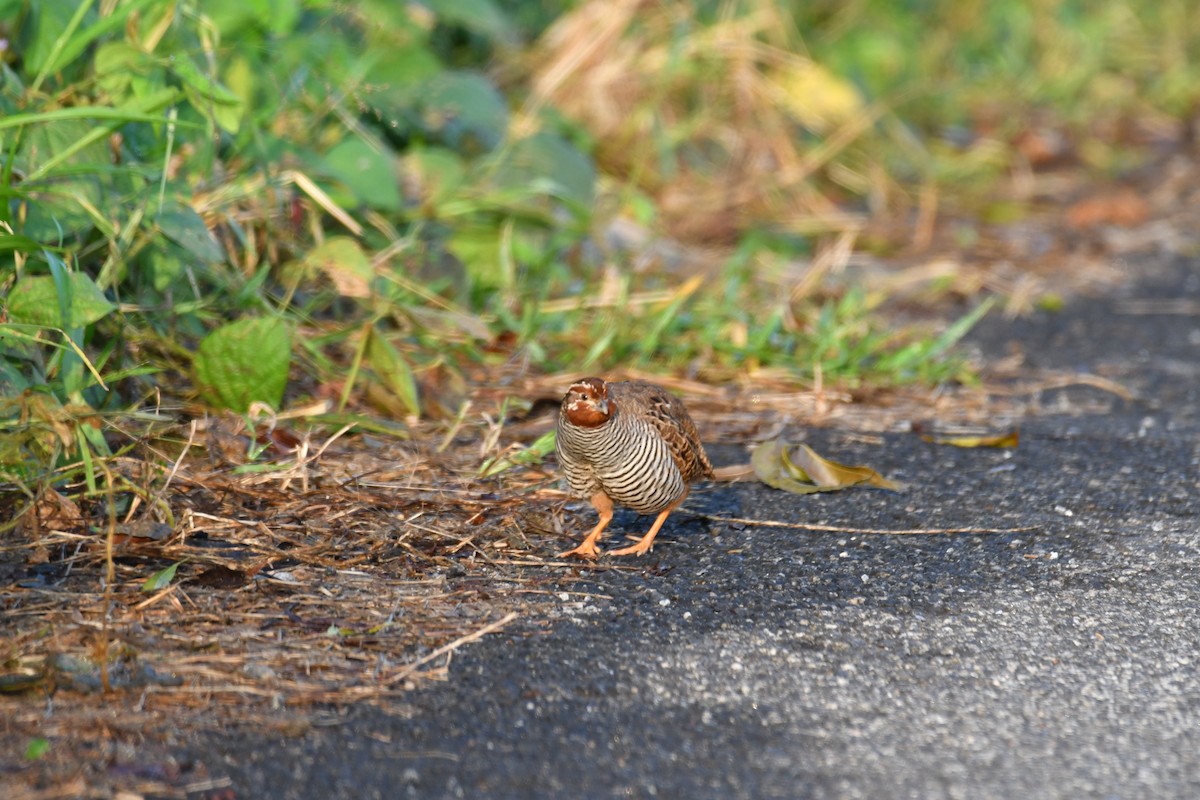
1059 662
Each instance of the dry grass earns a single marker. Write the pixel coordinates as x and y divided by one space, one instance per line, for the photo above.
710 119
358 588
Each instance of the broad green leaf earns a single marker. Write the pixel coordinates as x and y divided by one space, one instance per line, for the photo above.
244 362
478 248
550 163
55 209
241 16
161 579
438 174
164 262
403 70
115 64
72 39
478 16
181 224
464 109
242 79
393 371
36 300
368 172
208 96
207 86
37 747
44 26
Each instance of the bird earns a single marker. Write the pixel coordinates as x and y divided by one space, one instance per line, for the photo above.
630 443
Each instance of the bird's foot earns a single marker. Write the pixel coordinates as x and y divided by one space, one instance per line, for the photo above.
642 547
586 550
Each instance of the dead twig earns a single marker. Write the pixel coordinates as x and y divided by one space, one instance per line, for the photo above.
811 526
451 647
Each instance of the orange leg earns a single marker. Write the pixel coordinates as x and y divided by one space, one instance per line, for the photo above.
643 545
588 549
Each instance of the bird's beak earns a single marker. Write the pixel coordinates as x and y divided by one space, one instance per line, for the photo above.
602 406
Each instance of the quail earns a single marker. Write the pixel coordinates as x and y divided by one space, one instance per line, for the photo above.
630 443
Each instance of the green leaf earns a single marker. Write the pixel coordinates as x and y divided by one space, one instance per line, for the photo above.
208 96
368 172
478 247
37 747
70 42
548 163
437 173
393 371
115 64
533 454
244 362
36 300
55 209
478 16
181 224
207 86
45 25
9 243
163 262
464 109
161 579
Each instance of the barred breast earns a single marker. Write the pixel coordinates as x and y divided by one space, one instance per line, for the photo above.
625 458
643 455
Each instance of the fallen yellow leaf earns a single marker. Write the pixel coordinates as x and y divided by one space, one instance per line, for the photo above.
801 470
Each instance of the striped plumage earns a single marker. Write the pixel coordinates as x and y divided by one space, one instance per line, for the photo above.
631 443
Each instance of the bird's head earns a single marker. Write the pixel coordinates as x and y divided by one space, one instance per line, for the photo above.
586 403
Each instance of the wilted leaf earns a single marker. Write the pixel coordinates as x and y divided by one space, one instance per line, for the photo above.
801 471
144 529
341 258
815 96
1009 439
1123 207
161 579
393 371
35 300
532 454
19 674
243 362
219 576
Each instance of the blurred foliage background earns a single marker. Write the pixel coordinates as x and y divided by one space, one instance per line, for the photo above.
211 205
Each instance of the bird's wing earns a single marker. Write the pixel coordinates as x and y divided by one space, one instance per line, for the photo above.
670 418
